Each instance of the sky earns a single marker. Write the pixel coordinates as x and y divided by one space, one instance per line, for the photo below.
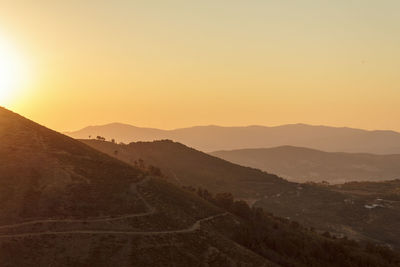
170 64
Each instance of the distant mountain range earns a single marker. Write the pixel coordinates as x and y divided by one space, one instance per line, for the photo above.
304 164
213 138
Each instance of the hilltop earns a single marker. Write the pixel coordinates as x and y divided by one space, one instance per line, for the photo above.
213 138
303 164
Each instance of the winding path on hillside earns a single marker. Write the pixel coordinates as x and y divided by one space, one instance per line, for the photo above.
150 210
194 227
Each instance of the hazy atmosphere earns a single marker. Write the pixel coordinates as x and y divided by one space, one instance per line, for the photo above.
260 133
170 64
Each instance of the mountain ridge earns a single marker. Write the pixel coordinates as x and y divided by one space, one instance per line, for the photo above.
239 126
214 138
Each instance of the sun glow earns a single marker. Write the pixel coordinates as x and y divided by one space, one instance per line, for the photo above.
13 72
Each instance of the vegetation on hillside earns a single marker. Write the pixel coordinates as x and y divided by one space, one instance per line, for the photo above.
320 206
288 243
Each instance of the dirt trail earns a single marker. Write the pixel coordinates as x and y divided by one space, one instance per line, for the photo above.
196 226
150 210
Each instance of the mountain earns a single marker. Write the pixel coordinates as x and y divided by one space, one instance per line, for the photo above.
303 164
313 205
213 138
66 204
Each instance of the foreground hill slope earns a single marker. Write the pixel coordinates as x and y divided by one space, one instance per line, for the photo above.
311 204
213 138
66 204
304 164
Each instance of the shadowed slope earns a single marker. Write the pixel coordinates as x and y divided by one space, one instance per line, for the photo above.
187 166
313 205
67 204
43 173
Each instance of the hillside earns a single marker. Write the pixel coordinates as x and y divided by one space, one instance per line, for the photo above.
187 166
66 204
303 164
380 191
213 138
311 204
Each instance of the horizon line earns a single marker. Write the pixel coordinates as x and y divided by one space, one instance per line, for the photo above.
233 126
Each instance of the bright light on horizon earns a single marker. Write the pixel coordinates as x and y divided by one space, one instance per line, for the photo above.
202 62
13 72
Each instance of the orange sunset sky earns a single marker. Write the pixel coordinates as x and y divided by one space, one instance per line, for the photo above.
169 64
